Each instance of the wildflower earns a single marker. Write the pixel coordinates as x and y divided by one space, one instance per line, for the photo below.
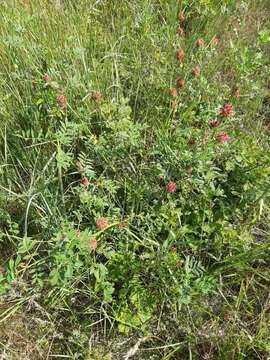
97 96
180 31
171 187
226 110
61 100
222 137
181 16
85 181
196 71
101 223
46 78
214 123
180 54
93 244
181 83
78 232
200 42
173 92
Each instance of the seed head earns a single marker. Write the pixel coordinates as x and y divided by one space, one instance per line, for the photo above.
61 100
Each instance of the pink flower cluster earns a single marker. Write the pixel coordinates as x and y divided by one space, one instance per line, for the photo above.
226 110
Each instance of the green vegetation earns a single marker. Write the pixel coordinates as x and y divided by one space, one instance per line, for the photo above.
134 179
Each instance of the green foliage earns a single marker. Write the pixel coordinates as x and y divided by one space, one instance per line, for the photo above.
94 240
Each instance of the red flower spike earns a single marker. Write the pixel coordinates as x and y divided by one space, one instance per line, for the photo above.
101 223
226 110
173 92
181 83
61 100
171 187
222 137
93 244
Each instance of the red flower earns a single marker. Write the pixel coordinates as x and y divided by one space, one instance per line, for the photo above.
101 223
180 54
200 42
181 83
214 123
171 187
180 31
173 92
93 244
181 16
85 181
222 137
78 232
196 71
46 78
226 110
61 100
